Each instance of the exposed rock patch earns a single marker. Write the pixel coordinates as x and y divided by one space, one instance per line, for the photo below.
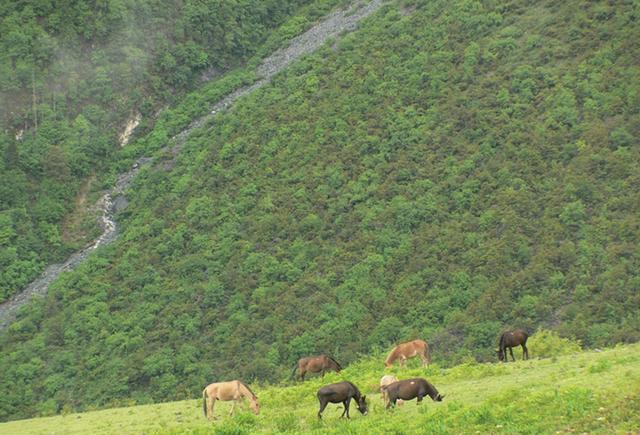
132 123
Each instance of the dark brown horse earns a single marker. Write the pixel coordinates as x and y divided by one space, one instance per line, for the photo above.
511 339
410 389
342 392
316 364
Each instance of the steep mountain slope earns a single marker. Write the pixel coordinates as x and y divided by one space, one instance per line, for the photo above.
71 75
222 94
450 169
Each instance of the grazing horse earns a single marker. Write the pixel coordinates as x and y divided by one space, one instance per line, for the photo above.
410 389
342 392
407 350
315 364
232 390
512 339
386 380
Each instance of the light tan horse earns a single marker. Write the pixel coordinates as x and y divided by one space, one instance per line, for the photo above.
316 364
384 381
232 390
407 350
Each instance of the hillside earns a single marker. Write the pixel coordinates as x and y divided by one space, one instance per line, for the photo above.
448 170
593 392
73 75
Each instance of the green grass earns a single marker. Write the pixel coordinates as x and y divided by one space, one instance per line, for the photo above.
594 392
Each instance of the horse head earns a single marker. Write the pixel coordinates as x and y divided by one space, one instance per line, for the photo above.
362 405
439 397
388 363
500 353
255 406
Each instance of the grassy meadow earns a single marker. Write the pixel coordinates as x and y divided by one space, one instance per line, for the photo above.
585 392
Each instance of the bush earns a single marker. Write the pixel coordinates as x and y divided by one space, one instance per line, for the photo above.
544 344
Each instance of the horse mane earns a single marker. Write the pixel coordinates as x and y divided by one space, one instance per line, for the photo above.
432 390
391 355
335 362
359 394
249 389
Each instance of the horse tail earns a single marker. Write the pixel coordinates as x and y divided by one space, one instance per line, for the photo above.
293 373
204 401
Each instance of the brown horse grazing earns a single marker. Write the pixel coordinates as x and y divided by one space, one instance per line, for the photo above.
342 392
410 389
512 339
232 390
407 350
315 364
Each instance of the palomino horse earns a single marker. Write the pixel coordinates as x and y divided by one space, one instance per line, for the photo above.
410 389
386 380
512 339
315 364
407 350
232 390
342 392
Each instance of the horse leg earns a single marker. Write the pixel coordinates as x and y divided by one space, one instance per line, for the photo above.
302 373
233 407
425 360
511 352
525 351
323 404
322 374
346 404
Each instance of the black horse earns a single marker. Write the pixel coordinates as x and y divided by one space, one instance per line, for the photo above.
342 392
511 339
410 389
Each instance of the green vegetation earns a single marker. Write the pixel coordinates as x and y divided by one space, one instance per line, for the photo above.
549 344
451 169
527 397
70 77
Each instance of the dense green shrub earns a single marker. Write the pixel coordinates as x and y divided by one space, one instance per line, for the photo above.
545 344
